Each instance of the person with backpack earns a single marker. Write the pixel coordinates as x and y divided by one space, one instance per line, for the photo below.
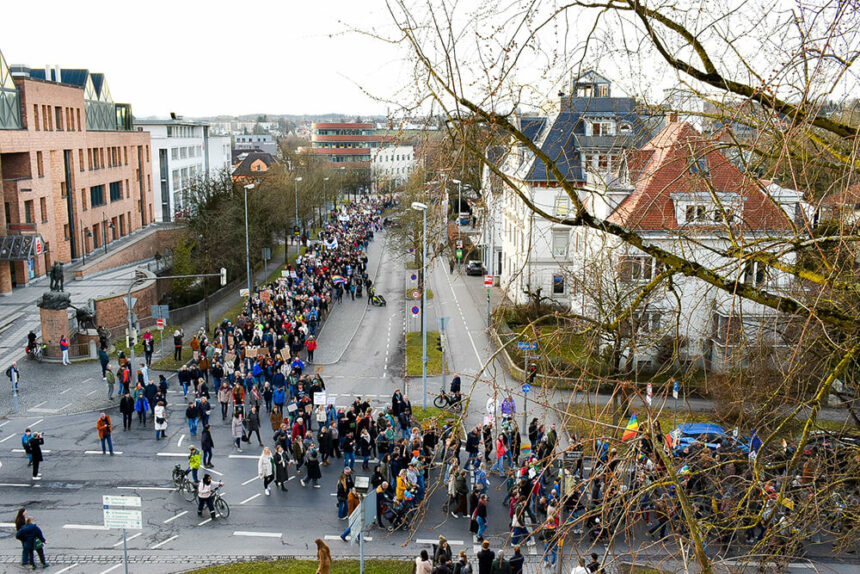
14 376
207 444
25 444
462 566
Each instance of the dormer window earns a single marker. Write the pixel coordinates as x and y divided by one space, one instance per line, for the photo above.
696 214
603 128
699 208
625 128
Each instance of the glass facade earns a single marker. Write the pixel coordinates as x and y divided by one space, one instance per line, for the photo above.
10 109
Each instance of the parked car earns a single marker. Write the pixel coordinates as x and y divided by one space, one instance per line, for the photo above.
474 267
465 218
712 436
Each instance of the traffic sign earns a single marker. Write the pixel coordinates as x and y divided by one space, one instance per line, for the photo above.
526 346
488 280
130 302
415 310
159 323
160 312
459 254
120 500
675 389
415 294
527 388
413 277
459 244
121 518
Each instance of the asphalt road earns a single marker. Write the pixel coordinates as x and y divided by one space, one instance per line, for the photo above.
362 351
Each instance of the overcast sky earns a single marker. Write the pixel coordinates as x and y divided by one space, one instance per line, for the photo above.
214 57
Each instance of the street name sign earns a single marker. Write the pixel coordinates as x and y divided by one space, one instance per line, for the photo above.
526 346
121 500
488 280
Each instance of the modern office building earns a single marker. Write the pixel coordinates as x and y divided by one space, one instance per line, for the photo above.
259 142
75 174
346 144
183 150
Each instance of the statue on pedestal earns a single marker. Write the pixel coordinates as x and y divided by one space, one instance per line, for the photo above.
55 301
56 275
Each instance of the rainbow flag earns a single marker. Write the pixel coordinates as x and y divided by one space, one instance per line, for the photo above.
337 279
632 428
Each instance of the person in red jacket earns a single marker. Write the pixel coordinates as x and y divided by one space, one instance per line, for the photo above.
105 429
64 347
311 345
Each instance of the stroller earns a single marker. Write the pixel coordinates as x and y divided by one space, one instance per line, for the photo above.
358 290
375 299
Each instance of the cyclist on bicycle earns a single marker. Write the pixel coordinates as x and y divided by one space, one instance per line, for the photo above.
31 341
205 495
455 384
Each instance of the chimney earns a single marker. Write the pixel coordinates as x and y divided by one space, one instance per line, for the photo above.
48 72
673 117
58 77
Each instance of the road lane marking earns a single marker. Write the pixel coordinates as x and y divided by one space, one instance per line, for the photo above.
250 480
129 539
111 569
39 405
12 484
262 534
163 542
84 527
67 568
65 406
22 450
336 537
87 380
182 438
7 524
212 470
175 516
208 520
432 541
244 456
145 488
66 391
92 392
34 424
4 424
43 410
100 452
7 438
250 499
177 454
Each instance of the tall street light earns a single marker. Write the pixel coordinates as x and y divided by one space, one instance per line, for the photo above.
298 179
247 240
422 207
325 202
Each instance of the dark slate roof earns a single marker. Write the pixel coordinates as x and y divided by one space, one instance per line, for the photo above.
566 136
532 126
244 168
98 81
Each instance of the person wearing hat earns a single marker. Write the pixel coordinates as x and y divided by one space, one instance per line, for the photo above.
193 462
443 553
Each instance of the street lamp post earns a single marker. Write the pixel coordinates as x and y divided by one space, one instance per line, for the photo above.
325 202
104 231
459 201
84 234
422 207
247 240
302 225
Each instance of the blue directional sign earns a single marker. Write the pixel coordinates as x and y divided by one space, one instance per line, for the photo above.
526 346
527 388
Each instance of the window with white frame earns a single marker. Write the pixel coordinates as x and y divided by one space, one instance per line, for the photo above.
637 268
560 241
558 284
603 128
562 205
648 321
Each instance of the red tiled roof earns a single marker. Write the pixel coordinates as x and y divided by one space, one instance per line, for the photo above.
850 196
335 126
662 167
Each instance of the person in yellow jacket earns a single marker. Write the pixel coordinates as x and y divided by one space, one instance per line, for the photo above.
402 483
194 462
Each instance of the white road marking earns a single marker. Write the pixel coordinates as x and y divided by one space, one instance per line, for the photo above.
208 520
250 499
4 424
43 410
261 534
7 524
337 537
175 516
100 452
212 470
145 488
130 538
39 405
65 406
432 541
243 456
22 450
182 438
92 392
34 424
67 568
163 542
250 480
177 454
87 380
111 569
84 527
66 391
12 484
7 438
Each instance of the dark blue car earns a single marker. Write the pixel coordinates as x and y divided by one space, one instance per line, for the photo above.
711 435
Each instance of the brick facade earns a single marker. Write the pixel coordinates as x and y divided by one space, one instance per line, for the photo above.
154 241
112 312
35 189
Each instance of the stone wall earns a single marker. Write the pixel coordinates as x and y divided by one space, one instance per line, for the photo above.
152 241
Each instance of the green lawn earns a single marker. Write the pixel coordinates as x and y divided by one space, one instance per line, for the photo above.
413 354
307 567
118 339
167 363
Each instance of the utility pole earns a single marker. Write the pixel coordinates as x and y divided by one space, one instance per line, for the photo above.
422 207
247 240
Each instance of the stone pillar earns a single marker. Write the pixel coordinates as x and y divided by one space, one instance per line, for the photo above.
55 324
5 278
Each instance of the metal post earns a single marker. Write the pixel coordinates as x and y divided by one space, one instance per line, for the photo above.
162 342
361 551
15 396
104 233
130 327
444 344
526 395
423 313
125 550
248 242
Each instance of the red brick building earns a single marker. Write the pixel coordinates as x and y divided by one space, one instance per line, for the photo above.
74 175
